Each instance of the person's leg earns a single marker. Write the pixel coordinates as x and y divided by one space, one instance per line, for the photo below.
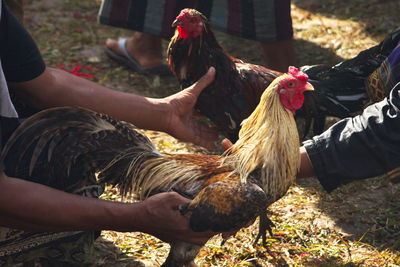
279 55
145 48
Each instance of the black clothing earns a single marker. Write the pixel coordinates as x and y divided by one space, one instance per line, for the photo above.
356 148
21 61
20 57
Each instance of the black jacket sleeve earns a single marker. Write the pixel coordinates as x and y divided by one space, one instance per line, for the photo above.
361 147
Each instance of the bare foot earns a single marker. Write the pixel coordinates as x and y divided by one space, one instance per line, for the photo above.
143 47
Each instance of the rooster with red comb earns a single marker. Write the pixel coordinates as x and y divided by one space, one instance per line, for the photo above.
227 192
339 90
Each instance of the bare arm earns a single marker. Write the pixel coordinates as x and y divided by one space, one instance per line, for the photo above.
306 169
172 114
32 206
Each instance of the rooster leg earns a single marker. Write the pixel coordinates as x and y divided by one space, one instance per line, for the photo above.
265 225
181 254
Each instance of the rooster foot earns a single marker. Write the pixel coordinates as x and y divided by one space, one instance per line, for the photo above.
265 225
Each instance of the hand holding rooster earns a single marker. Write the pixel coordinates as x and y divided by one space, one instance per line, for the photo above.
164 207
180 120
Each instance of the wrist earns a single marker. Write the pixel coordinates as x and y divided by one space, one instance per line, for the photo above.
163 115
126 217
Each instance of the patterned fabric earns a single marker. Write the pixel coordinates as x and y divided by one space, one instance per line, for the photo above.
71 248
261 20
382 80
55 249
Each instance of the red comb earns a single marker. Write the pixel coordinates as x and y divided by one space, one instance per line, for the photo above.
298 73
183 13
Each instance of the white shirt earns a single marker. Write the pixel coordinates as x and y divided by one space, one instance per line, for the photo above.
6 107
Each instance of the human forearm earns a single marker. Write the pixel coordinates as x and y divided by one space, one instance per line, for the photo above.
58 88
306 169
32 206
172 114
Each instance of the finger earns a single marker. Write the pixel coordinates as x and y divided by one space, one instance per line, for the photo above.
226 144
203 82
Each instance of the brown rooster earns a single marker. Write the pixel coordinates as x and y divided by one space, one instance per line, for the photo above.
339 90
61 145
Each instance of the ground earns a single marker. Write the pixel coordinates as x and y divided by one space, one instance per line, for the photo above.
356 225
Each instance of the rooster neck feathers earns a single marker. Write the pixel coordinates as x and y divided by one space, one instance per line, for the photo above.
268 142
187 57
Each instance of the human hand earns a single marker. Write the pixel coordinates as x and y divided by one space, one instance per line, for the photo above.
226 144
160 216
181 121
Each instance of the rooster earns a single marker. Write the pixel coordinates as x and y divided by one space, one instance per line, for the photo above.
236 90
61 145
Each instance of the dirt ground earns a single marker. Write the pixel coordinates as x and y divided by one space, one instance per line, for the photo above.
356 225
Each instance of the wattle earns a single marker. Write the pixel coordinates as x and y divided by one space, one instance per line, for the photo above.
292 104
182 32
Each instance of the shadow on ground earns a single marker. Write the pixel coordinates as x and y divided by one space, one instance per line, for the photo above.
377 16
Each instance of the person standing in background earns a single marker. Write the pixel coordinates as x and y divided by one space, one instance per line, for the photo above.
266 21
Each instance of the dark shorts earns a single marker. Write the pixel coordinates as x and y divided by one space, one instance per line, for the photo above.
262 20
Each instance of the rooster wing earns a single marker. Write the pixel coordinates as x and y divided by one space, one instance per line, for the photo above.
226 205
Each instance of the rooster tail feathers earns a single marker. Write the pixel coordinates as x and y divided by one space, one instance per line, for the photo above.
60 147
143 173
127 170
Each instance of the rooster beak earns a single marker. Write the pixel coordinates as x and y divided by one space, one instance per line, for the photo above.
175 23
309 87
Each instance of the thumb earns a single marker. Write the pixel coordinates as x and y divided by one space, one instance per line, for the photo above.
226 144
203 82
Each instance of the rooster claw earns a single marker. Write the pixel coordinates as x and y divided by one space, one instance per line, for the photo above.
265 225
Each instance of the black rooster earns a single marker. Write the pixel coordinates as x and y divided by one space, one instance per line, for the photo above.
339 90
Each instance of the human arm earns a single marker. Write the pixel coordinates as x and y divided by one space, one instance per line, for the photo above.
173 114
44 87
32 206
356 148
306 169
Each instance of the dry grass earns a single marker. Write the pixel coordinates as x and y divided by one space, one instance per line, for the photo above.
357 225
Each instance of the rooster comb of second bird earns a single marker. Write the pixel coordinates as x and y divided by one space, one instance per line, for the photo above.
295 72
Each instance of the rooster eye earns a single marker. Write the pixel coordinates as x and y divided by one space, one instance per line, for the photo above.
290 84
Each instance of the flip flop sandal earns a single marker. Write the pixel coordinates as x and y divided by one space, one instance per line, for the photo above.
130 62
